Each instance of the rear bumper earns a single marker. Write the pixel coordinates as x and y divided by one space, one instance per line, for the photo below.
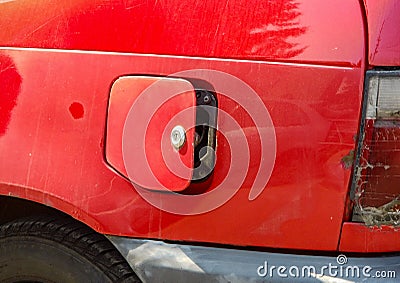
157 261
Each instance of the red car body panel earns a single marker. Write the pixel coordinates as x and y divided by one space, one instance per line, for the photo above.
71 168
357 237
296 56
303 31
383 32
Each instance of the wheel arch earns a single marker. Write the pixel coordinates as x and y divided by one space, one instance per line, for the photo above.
18 201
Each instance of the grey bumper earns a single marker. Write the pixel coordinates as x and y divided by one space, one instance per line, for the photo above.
157 261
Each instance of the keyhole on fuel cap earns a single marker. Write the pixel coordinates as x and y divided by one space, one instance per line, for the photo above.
178 137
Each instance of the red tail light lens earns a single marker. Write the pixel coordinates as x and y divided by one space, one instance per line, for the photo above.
376 185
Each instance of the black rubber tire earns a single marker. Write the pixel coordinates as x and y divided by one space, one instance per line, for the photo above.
44 249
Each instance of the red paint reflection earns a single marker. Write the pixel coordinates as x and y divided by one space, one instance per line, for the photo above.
10 84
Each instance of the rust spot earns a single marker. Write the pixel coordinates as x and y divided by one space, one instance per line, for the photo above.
77 111
347 160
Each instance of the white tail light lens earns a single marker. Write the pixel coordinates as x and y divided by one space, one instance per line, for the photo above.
383 95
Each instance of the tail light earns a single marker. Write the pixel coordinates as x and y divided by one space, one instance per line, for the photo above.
376 183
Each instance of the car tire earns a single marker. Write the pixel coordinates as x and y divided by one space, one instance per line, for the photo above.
44 249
